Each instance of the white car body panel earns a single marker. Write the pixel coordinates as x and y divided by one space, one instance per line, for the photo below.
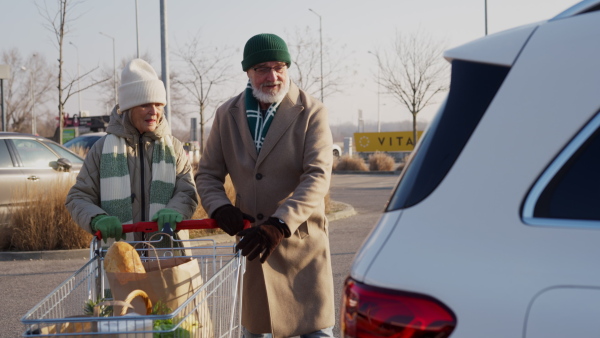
560 312
466 244
500 48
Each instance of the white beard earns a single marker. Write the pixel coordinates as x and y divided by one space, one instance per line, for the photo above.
271 98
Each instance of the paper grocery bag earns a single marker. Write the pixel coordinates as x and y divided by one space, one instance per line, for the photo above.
171 281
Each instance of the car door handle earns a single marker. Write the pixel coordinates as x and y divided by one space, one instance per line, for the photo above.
33 178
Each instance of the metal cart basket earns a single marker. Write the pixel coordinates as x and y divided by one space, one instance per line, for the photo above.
212 311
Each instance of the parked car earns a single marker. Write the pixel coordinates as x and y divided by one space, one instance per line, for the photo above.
27 160
494 227
337 151
84 141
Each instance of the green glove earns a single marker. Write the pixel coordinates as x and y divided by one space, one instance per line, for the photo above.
167 216
109 226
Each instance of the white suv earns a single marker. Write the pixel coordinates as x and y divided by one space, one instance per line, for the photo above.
494 227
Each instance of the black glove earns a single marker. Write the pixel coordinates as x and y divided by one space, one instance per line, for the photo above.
262 239
230 219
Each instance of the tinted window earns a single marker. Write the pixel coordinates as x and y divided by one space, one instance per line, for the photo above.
33 153
472 88
85 142
5 159
574 191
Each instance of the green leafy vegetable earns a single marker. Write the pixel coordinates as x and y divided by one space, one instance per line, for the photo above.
105 310
167 324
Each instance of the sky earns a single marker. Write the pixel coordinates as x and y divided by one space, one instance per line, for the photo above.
360 26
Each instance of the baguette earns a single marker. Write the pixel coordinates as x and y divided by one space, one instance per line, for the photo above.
122 257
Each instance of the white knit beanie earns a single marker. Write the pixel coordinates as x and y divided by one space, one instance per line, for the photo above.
140 85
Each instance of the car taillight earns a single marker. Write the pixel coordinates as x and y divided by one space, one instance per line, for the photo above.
369 312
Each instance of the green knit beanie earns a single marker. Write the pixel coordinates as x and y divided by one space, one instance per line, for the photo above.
265 48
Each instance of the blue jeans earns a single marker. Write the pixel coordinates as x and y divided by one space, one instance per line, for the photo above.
324 333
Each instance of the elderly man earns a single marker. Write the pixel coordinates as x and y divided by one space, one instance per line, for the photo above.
274 141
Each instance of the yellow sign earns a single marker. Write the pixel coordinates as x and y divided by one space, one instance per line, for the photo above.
388 141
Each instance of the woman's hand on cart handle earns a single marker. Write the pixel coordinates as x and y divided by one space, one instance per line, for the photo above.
192 224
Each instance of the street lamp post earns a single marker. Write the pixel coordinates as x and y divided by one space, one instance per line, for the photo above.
137 30
321 43
78 78
32 98
486 18
378 93
114 67
164 56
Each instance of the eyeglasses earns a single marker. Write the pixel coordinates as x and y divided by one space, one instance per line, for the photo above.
267 70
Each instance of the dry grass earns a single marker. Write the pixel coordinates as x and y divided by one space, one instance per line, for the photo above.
81 151
47 225
354 163
5 231
327 203
381 162
44 224
201 213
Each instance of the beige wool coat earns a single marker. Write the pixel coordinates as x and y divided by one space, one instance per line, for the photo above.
83 200
292 292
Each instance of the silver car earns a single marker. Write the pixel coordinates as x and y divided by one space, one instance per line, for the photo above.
27 160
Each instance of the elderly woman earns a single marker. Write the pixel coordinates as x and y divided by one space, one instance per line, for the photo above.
138 171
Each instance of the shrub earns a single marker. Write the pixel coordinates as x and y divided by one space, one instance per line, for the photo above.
327 203
5 231
354 163
202 214
81 151
44 224
381 162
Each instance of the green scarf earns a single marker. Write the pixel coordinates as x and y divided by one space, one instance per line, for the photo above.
115 183
258 124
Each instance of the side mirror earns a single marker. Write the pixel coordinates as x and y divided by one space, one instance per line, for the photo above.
62 164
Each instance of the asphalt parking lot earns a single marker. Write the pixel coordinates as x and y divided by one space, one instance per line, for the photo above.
26 282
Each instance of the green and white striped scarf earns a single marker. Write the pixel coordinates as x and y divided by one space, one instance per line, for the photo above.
115 183
258 124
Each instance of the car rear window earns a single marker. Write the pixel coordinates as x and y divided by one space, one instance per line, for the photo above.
568 192
472 88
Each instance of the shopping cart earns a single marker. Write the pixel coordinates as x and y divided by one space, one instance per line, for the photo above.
212 311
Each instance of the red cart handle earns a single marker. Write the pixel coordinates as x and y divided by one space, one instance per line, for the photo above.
192 224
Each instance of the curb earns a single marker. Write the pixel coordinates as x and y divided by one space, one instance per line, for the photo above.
358 172
6 256
45 255
347 211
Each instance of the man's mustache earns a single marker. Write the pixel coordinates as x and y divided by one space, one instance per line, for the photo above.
275 83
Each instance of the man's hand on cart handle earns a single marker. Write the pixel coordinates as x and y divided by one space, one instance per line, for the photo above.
192 224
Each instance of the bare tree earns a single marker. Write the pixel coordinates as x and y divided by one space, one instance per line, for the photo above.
305 49
414 72
59 21
207 73
28 88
